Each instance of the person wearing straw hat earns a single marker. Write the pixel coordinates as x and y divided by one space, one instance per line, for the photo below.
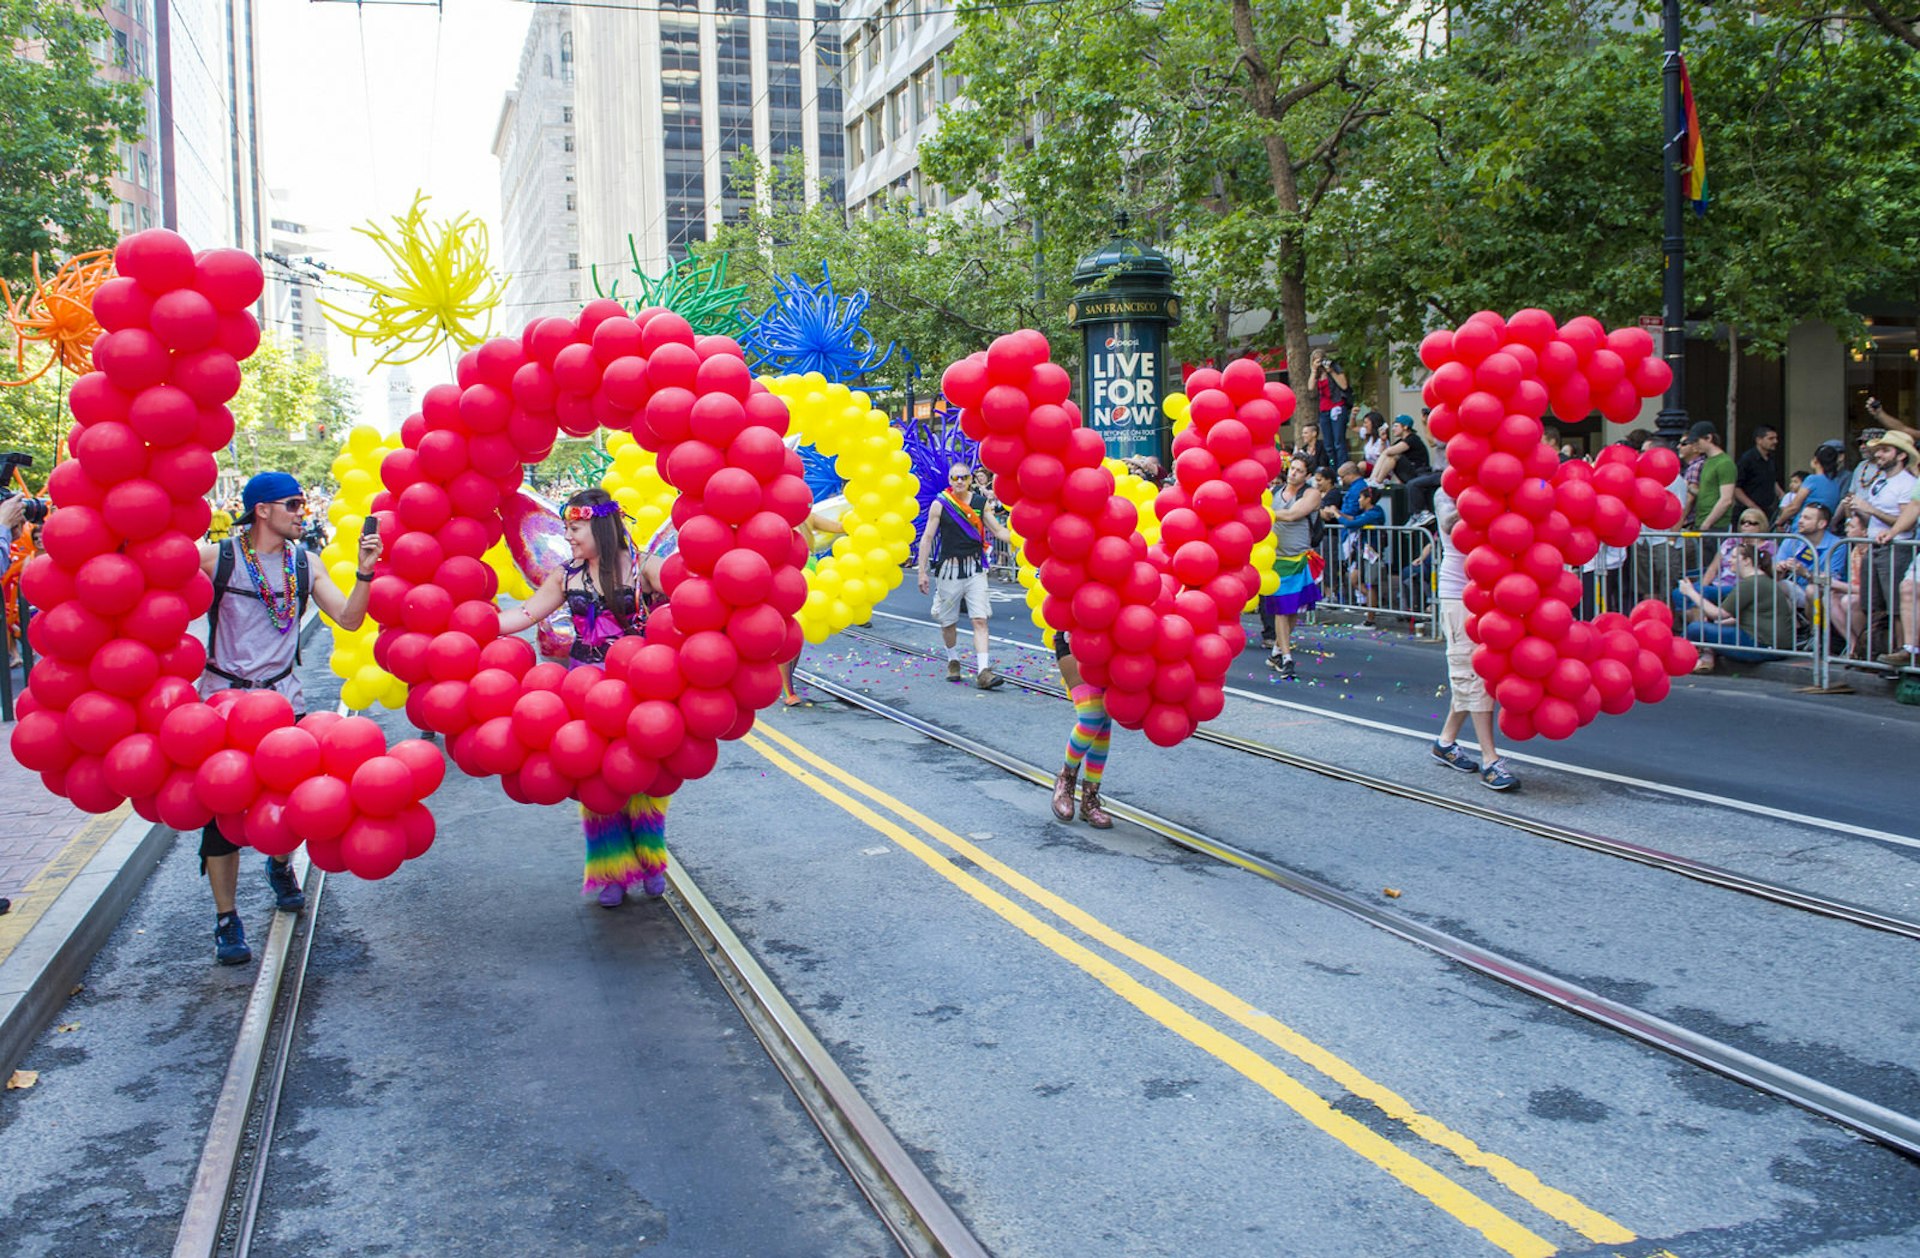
1879 506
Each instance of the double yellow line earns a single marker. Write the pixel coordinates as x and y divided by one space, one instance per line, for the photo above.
1501 1229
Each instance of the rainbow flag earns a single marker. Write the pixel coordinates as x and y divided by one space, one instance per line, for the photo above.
1696 148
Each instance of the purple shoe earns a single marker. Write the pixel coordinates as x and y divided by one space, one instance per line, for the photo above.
655 884
612 896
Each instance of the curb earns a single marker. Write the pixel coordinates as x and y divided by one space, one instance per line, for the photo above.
38 976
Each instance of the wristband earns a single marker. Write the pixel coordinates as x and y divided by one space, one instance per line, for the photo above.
363 576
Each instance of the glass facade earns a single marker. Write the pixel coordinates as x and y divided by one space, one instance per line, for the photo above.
686 197
733 64
786 131
833 166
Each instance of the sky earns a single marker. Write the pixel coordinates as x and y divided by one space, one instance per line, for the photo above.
361 107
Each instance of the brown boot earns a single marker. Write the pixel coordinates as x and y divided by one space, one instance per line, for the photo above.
1063 783
1090 810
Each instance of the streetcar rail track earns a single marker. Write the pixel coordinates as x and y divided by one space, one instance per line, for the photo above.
1879 1123
223 1204
1686 867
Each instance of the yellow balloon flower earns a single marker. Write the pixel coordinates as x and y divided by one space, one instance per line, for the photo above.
442 287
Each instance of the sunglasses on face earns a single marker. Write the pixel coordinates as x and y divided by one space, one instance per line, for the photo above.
290 504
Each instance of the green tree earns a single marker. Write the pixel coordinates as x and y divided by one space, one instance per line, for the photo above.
34 420
63 125
941 286
290 415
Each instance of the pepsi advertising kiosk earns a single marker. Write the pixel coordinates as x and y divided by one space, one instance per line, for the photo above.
1123 327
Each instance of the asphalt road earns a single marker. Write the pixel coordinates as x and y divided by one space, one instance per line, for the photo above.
1751 739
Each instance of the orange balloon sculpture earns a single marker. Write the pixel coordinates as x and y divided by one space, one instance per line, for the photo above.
58 313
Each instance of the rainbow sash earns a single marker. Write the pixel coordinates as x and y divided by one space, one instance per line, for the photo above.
962 512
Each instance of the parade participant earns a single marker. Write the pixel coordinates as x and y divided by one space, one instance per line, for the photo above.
1294 504
1086 745
811 530
957 527
607 587
261 583
1469 697
220 525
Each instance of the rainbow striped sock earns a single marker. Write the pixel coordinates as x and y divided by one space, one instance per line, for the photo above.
1092 733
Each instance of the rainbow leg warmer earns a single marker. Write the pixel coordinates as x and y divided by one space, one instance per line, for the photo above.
627 847
1092 733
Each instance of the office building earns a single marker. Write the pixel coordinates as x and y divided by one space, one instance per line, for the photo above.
667 98
896 80
539 192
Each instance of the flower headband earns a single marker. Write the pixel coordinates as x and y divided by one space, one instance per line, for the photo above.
590 512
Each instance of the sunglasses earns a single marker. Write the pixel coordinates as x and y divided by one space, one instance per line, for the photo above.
290 504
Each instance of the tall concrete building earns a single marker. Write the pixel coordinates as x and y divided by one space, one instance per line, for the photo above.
668 97
539 191
139 200
208 102
896 80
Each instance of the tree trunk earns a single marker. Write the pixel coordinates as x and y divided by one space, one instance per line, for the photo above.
1292 260
1733 385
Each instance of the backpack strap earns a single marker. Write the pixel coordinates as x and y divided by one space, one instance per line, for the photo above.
302 586
222 574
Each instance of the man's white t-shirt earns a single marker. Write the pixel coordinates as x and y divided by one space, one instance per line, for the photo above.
1888 492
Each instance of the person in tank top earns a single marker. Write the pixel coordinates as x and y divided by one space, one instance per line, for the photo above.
608 586
253 642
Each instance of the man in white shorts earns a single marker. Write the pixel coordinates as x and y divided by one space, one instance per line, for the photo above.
957 526
1470 699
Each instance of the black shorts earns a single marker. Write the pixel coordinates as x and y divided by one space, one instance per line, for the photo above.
214 843
1061 648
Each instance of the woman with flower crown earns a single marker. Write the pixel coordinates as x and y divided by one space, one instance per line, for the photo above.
607 587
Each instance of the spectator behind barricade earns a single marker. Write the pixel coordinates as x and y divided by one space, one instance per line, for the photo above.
1718 579
1902 528
1416 570
1756 481
1813 553
1373 439
1347 501
1329 490
1713 501
1309 448
1357 551
1758 614
1863 468
1847 615
1821 483
1880 508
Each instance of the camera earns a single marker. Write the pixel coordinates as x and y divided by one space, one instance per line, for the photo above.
36 508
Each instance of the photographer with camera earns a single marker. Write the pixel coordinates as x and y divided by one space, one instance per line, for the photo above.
261 582
1328 380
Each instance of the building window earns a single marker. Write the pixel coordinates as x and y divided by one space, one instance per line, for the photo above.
856 151
126 216
568 175
890 22
573 262
897 106
924 104
120 56
851 55
566 56
566 144
566 114
571 198
145 169
876 131
573 290
146 218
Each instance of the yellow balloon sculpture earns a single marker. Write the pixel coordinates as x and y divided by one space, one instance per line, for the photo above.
356 469
1176 408
442 288
634 480
864 563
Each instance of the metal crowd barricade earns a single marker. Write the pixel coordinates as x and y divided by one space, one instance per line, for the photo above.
1875 609
1383 570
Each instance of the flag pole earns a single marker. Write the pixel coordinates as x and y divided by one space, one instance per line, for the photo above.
1673 340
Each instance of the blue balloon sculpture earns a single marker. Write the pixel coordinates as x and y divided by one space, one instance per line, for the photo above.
935 446
809 327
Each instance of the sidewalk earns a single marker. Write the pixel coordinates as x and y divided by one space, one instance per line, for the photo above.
36 826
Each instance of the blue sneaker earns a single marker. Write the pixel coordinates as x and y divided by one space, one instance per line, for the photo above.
1496 778
230 941
287 895
1454 758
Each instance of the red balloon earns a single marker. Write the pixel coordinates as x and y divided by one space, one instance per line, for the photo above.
373 847
254 715
230 278
349 744
226 781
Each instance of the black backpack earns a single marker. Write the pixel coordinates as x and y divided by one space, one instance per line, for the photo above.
222 574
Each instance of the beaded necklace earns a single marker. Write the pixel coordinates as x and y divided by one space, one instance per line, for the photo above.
280 607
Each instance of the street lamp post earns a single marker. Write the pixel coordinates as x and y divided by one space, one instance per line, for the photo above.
1672 421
